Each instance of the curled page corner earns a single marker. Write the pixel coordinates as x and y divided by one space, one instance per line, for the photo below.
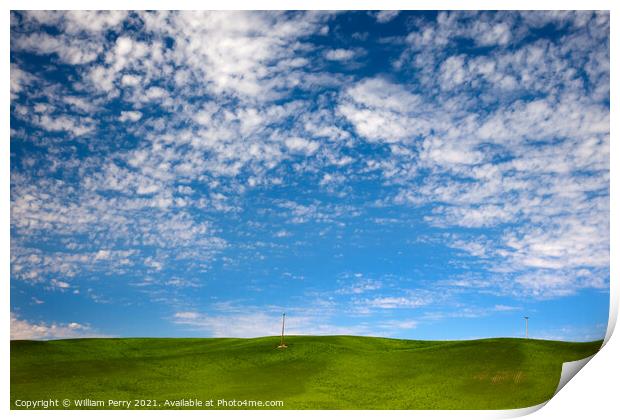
519 412
570 369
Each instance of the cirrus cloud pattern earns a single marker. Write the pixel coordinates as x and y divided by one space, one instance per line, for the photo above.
412 174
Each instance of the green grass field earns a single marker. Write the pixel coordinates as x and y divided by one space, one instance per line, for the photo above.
332 372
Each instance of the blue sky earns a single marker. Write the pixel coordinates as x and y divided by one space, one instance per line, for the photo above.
416 174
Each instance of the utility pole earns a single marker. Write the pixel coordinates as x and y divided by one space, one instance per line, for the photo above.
526 318
282 345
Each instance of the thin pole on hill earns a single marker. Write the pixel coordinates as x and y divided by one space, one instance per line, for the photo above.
282 345
282 339
526 318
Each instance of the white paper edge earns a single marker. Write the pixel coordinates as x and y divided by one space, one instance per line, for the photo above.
569 370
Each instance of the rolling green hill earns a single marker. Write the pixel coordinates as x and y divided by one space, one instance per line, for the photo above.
331 372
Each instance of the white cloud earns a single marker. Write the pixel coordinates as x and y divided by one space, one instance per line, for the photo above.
123 45
103 254
395 302
535 170
130 80
60 284
69 50
483 28
130 116
567 243
300 145
492 33
152 263
155 92
378 93
240 323
340 54
59 123
25 330
452 71
19 78
385 16
76 21
360 287
407 324
282 233
505 308
238 52
383 111
186 315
